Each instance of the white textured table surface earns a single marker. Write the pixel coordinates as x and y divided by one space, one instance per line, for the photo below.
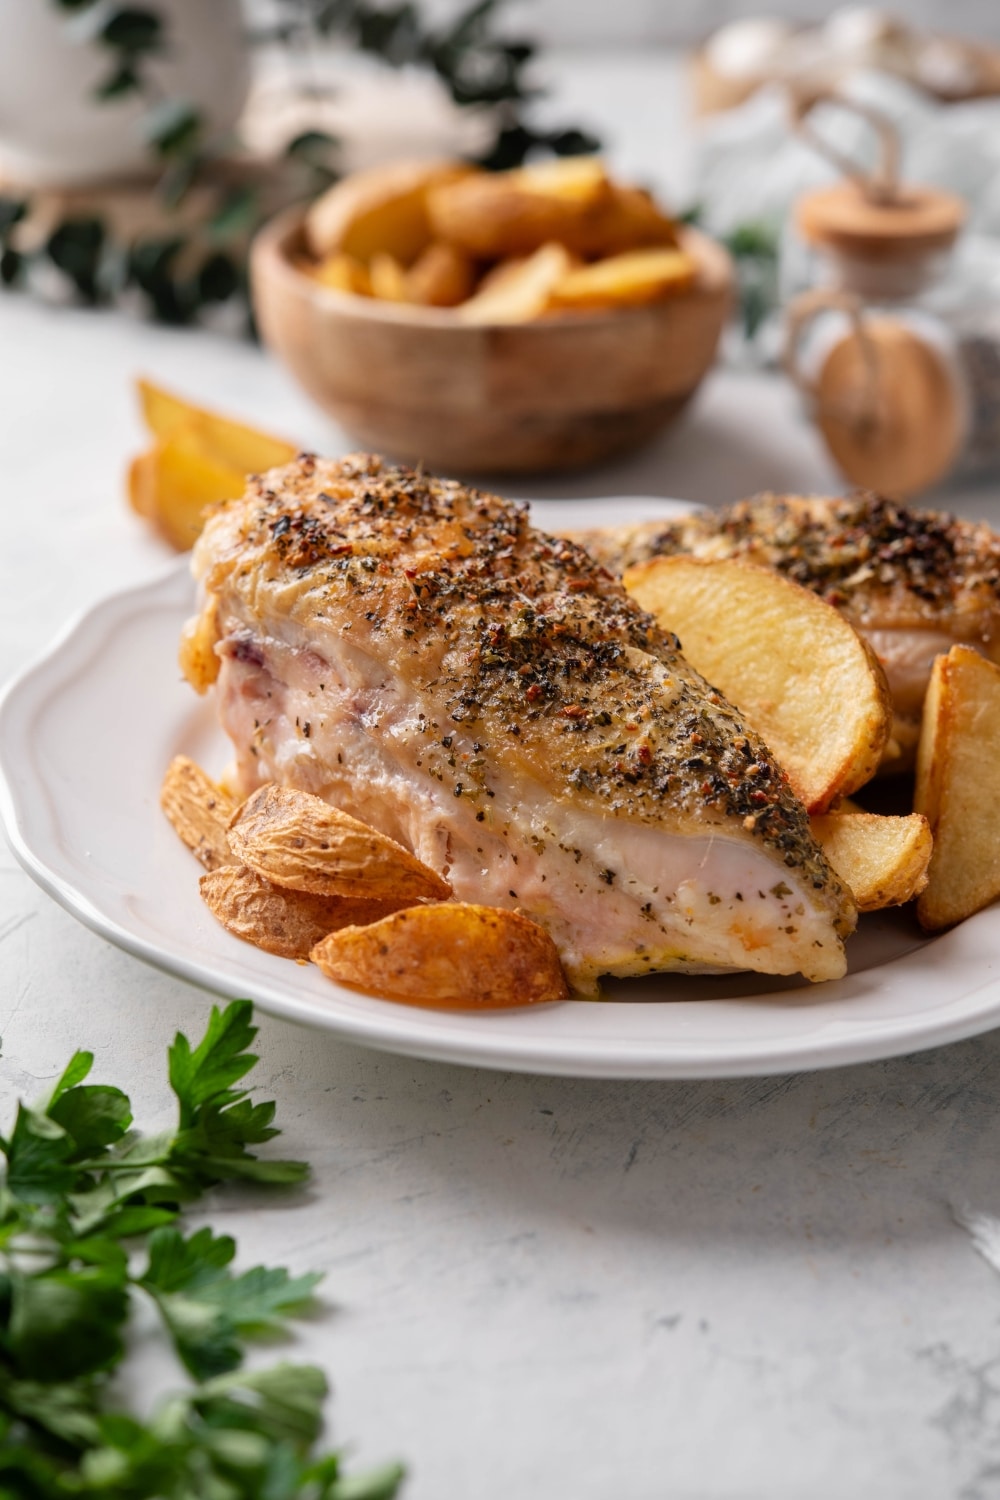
538 1288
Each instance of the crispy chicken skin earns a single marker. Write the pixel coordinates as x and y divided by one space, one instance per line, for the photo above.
412 651
913 581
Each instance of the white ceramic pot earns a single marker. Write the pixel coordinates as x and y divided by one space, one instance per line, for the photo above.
54 132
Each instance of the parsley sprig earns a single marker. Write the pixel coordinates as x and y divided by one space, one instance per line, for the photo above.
90 1222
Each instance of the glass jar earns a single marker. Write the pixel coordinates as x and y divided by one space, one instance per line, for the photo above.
896 343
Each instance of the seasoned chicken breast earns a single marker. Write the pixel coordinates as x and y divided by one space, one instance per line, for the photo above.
913 581
412 651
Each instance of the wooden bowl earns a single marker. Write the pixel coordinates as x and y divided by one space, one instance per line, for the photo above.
418 384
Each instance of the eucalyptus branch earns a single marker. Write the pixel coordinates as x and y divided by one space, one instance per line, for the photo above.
182 272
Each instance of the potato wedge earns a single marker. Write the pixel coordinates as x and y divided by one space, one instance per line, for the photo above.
500 215
287 923
563 179
141 484
342 273
442 277
232 445
387 278
448 954
882 861
803 677
180 481
497 216
383 209
518 290
958 787
630 220
199 811
296 840
631 279
196 655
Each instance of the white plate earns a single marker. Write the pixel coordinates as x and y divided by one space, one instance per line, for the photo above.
85 736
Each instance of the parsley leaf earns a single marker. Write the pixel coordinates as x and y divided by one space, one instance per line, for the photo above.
205 1307
82 1196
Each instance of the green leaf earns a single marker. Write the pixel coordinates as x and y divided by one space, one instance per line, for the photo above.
176 1262
38 1153
220 1060
382 1483
205 1307
76 1070
67 1411
237 214
93 1116
77 1187
75 247
133 31
66 1323
12 264
120 83
217 279
173 127
285 1401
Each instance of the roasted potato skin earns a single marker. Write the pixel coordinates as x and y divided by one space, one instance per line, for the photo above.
199 811
448 955
299 841
383 209
442 276
494 216
286 923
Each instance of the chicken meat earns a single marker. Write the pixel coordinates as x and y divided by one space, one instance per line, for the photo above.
914 582
413 652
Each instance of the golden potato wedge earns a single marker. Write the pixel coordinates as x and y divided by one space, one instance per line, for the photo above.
882 861
802 676
630 220
500 215
180 482
287 923
958 787
232 445
196 654
296 840
517 291
387 278
383 209
199 811
342 273
141 484
448 954
442 276
565 179
631 279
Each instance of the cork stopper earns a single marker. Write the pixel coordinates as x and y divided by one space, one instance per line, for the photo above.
912 223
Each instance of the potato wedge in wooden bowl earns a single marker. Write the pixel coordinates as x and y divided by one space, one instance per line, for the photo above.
482 321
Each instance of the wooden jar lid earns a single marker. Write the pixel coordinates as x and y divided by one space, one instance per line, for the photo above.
900 432
916 222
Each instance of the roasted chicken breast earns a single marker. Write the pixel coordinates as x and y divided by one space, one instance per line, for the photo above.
914 582
413 652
